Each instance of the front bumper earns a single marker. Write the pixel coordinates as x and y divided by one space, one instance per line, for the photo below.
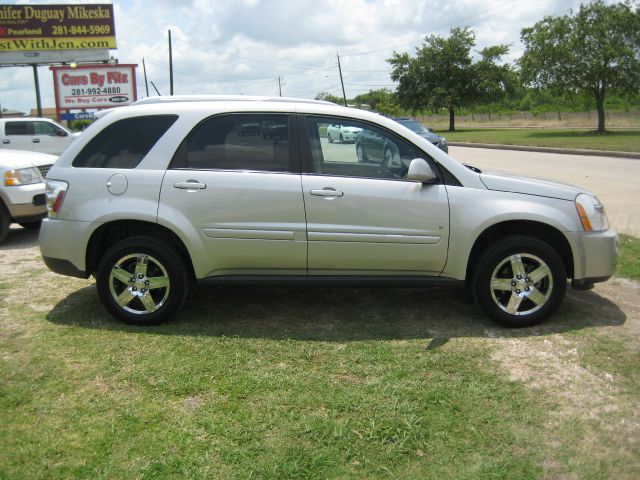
594 256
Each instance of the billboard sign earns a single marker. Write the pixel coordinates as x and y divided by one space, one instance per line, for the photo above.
94 86
53 56
56 27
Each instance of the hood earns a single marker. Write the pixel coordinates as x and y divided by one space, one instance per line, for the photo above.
432 137
14 159
544 187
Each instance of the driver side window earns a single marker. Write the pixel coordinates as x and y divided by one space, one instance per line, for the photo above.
351 148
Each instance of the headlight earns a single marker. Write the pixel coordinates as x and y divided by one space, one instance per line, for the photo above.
591 213
22 176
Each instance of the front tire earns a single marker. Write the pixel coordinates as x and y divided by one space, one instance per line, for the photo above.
520 281
329 137
142 281
5 223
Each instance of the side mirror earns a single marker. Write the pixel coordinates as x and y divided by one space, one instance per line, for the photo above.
61 133
420 171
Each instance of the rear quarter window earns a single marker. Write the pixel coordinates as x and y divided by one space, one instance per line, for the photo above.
124 143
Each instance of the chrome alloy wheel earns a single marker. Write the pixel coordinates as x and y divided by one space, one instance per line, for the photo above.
521 284
139 283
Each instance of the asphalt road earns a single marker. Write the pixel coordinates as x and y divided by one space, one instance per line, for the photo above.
616 181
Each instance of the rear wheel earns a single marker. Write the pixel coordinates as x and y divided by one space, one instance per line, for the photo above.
362 156
329 137
142 281
520 281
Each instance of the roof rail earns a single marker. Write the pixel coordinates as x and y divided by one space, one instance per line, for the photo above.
225 98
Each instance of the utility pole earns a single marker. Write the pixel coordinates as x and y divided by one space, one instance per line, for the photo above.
170 66
344 95
146 84
155 88
280 85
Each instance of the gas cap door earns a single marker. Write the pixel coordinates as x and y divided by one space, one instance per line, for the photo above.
117 184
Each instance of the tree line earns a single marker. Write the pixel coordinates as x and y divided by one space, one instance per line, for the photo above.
580 58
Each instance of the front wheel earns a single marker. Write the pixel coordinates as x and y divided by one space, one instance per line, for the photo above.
520 281
5 223
142 281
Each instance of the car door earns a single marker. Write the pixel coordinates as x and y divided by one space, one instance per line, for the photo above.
18 135
364 218
239 196
49 138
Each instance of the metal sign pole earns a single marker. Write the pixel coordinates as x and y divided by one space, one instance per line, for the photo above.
35 80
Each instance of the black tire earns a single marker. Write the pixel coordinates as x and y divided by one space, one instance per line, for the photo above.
341 139
360 153
519 281
329 137
155 262
31 225
5 223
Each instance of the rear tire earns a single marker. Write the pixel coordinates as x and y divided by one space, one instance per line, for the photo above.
329 137
142 281
519 281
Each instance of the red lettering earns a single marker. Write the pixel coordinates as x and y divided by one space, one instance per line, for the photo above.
74 79
117 77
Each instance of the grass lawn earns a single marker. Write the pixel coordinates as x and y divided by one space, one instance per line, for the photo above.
284 383
629 259
620 140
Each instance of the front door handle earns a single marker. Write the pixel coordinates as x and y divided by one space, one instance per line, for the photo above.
190 185
36 140
327 192
6 141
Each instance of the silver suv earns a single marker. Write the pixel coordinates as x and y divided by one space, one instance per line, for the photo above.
168 191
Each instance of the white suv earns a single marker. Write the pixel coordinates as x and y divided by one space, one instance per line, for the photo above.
170 190
35 134
22 191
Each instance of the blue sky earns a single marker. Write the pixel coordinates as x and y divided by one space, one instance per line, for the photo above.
243 46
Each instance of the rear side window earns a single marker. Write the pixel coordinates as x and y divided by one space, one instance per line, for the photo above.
256 142
18 128
125 143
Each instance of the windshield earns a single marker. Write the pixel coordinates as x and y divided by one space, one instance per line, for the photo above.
413 125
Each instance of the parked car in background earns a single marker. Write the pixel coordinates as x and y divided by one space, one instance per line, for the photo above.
158 195
35 134
22 189
425 132
342 133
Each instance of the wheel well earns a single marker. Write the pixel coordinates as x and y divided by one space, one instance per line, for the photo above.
551 236
112 232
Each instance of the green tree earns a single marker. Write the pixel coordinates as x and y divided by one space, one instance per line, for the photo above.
382 101
327 97
443 74
593 51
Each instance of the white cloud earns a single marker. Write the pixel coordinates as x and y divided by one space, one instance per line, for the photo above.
231 46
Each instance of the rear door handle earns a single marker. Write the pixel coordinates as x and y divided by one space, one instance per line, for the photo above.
190 185
36 140
6 141
327 192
